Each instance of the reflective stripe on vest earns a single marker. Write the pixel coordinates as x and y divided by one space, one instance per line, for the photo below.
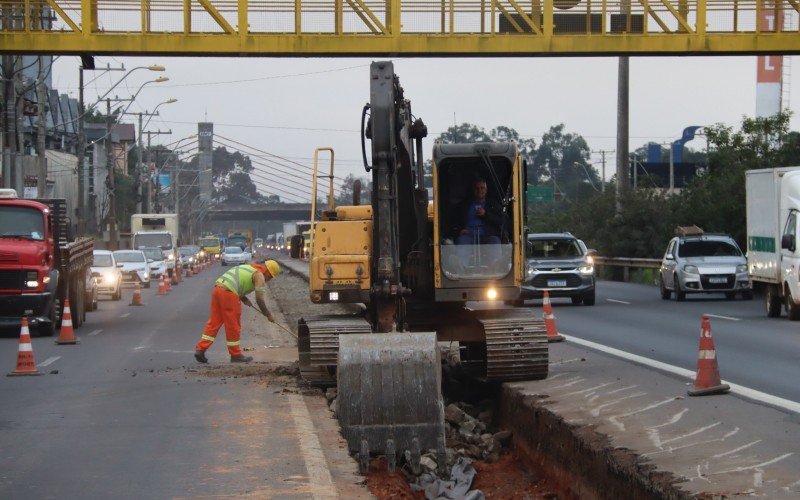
239 280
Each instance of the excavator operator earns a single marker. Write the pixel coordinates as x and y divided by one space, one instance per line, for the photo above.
229 293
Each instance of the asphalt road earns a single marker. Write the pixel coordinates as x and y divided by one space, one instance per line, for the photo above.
754 351
130 414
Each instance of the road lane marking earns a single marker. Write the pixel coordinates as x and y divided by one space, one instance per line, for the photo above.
741 390
735 450
318 473
124 315
756 466
49 361
619 301
729 318
94 332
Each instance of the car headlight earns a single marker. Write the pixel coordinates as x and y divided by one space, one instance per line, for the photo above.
741 268
109 278
171 257
530 270
587 269
690 269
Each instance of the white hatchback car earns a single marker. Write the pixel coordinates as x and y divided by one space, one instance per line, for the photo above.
107 274
134 266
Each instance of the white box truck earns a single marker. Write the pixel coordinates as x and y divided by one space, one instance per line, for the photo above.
773 251
157 230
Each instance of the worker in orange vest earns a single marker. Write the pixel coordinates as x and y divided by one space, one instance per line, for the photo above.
229 293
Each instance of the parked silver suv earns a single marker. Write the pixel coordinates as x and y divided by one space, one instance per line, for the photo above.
704 263
561 264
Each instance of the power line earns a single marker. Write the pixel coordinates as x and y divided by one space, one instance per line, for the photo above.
275 166
272 155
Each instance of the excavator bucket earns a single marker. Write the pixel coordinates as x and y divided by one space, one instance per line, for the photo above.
390 396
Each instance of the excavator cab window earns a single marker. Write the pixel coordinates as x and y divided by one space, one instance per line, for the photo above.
476 218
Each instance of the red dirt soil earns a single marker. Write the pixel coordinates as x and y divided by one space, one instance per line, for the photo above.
508 478
384 484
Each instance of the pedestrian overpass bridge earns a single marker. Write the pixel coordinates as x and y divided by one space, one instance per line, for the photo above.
276 212
388 28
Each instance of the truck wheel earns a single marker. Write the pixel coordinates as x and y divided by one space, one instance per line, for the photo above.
773 302
792 309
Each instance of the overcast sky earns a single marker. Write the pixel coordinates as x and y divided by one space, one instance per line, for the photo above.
290 106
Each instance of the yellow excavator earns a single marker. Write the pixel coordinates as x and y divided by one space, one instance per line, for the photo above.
424 276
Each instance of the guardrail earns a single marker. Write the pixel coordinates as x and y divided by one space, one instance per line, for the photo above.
627 263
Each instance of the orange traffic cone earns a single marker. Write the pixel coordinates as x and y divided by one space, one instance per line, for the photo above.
167 288
180 277
174 279
25 363
550 320
136 300
707 380
67 335
188 272
162 286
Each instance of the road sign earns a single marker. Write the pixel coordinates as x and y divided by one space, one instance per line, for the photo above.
540 194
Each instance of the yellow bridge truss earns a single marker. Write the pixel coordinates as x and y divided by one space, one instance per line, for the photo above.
395 27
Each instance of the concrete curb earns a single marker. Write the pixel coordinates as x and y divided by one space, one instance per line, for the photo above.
579 456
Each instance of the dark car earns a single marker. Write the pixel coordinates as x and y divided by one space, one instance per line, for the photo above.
561 264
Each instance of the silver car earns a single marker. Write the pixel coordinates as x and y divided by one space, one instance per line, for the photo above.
704 263
561 264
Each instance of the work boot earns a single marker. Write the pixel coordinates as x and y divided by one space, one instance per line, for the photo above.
200 356
241 359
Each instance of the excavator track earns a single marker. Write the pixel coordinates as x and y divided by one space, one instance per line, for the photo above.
318 345
516 345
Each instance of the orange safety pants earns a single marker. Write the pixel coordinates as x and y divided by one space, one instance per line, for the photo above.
225 309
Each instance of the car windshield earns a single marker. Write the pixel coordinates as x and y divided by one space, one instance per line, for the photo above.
103 260
21 222
153 253
161 240
129 256
232 250
553 248
708 248
209 242
186 252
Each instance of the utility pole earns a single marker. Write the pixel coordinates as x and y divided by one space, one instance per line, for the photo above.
86 189
603 163
140 177
41 136
113 238
148 190
623 179
10 75
81 153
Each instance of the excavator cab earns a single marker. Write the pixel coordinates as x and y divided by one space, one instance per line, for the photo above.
478 222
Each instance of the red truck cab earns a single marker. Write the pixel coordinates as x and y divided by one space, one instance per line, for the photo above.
28 273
